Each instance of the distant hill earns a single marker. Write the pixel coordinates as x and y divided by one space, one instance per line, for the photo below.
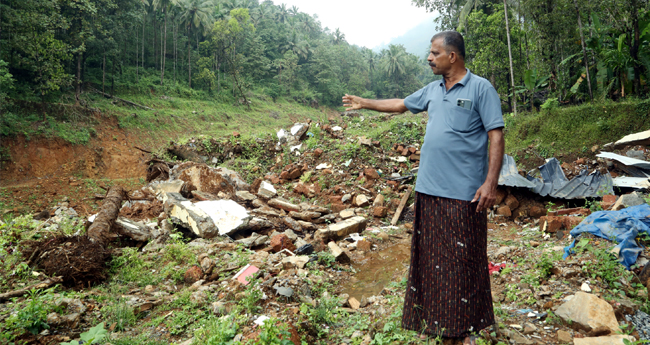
416 41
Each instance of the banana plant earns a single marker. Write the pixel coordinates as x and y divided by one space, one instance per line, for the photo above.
533 82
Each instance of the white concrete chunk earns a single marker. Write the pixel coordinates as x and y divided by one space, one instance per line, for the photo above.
266 191
227 215
344 228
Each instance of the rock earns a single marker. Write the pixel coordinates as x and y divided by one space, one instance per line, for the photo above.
304 215
529 328
218 308
512 202
342 229
383 236
208 179
379 201
292 235
253 240
616 339
347 213
551 224
266 190
245 195
638 154
257 224
564 337
199 297
361 200
501 195
328 218
365 141
588 312
207 264
537 211
371 174
354 304
345 198
318 152
610 198
627 200
187 214
364 245
283 205
228 216
174 186
518 338
292 224
193 274
306 225
280 242
380 211
338 253
504 211
296 261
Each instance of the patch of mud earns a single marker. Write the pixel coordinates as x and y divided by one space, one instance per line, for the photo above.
81 262
141 211
377 269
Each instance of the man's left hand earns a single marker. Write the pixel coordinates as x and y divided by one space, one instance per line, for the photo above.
486 196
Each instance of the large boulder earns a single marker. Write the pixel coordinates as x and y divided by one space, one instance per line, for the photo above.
617 339
588 312
207 179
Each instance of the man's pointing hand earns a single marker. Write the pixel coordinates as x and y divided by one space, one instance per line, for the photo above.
351 102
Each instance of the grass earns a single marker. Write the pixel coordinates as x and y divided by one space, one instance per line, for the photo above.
575 128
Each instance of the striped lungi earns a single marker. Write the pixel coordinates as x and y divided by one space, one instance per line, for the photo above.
448 290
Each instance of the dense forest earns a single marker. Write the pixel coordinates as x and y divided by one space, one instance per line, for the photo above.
221 49
547 51
558 51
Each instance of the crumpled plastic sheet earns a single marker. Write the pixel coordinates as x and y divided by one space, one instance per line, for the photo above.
622 226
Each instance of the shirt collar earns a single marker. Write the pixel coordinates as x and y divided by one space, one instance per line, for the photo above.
462 81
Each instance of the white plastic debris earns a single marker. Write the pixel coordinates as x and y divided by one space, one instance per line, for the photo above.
92 218
347 164
585 287
337 128
297 147
323 166
260 320
296 128
282 136
399 159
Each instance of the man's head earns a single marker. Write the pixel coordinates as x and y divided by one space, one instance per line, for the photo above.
447 52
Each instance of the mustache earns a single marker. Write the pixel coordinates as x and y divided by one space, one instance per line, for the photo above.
432 64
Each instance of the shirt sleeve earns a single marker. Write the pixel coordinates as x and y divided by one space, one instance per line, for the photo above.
489 108
419 100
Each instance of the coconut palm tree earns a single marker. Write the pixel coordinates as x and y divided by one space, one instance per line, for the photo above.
197 14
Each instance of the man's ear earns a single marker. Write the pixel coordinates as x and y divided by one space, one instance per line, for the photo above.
452 56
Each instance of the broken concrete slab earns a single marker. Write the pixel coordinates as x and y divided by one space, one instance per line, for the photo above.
266 190
297 261
361 200
640 138
588 312
136 230
253 240
338 253
227 215
166 186
284 205
292 224
245 195
342 229
258 223
185 213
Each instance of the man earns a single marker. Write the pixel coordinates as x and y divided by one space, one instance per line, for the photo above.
448 290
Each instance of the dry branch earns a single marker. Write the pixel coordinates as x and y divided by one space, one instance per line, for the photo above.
398 213
42 285
100 230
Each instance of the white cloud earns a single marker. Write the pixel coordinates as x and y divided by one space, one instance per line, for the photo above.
366 23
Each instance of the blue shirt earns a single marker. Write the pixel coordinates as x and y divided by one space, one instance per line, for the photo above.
454 156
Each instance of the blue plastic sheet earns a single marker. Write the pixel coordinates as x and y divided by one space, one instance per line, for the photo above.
621 226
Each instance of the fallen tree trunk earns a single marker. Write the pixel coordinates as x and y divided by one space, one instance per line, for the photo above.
122 100
42 285
100 230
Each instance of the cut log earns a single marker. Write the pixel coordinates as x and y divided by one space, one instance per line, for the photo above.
122 100
398 213
100 230
42 285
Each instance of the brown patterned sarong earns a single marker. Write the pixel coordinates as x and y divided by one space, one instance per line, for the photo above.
448 290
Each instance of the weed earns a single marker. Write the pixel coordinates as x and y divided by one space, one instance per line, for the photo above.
544 265
93 336
119 313
274 335
31 317
252 295
216 331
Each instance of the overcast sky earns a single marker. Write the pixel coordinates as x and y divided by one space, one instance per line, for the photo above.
366 23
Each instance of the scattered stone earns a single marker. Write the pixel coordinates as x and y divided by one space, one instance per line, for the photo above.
354 304
338 253
342 229
628 200
187 214
280 242
503 251
346 198
296 261
266 190
512 202
529 328
564 337
361 201
347 213
588 312
304 215
379 201
306 249
504 211
245 195
380 212
292 224
193 274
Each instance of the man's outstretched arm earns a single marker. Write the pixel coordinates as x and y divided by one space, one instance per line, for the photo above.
487 194
351 102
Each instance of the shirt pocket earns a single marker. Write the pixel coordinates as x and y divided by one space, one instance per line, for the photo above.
460 119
